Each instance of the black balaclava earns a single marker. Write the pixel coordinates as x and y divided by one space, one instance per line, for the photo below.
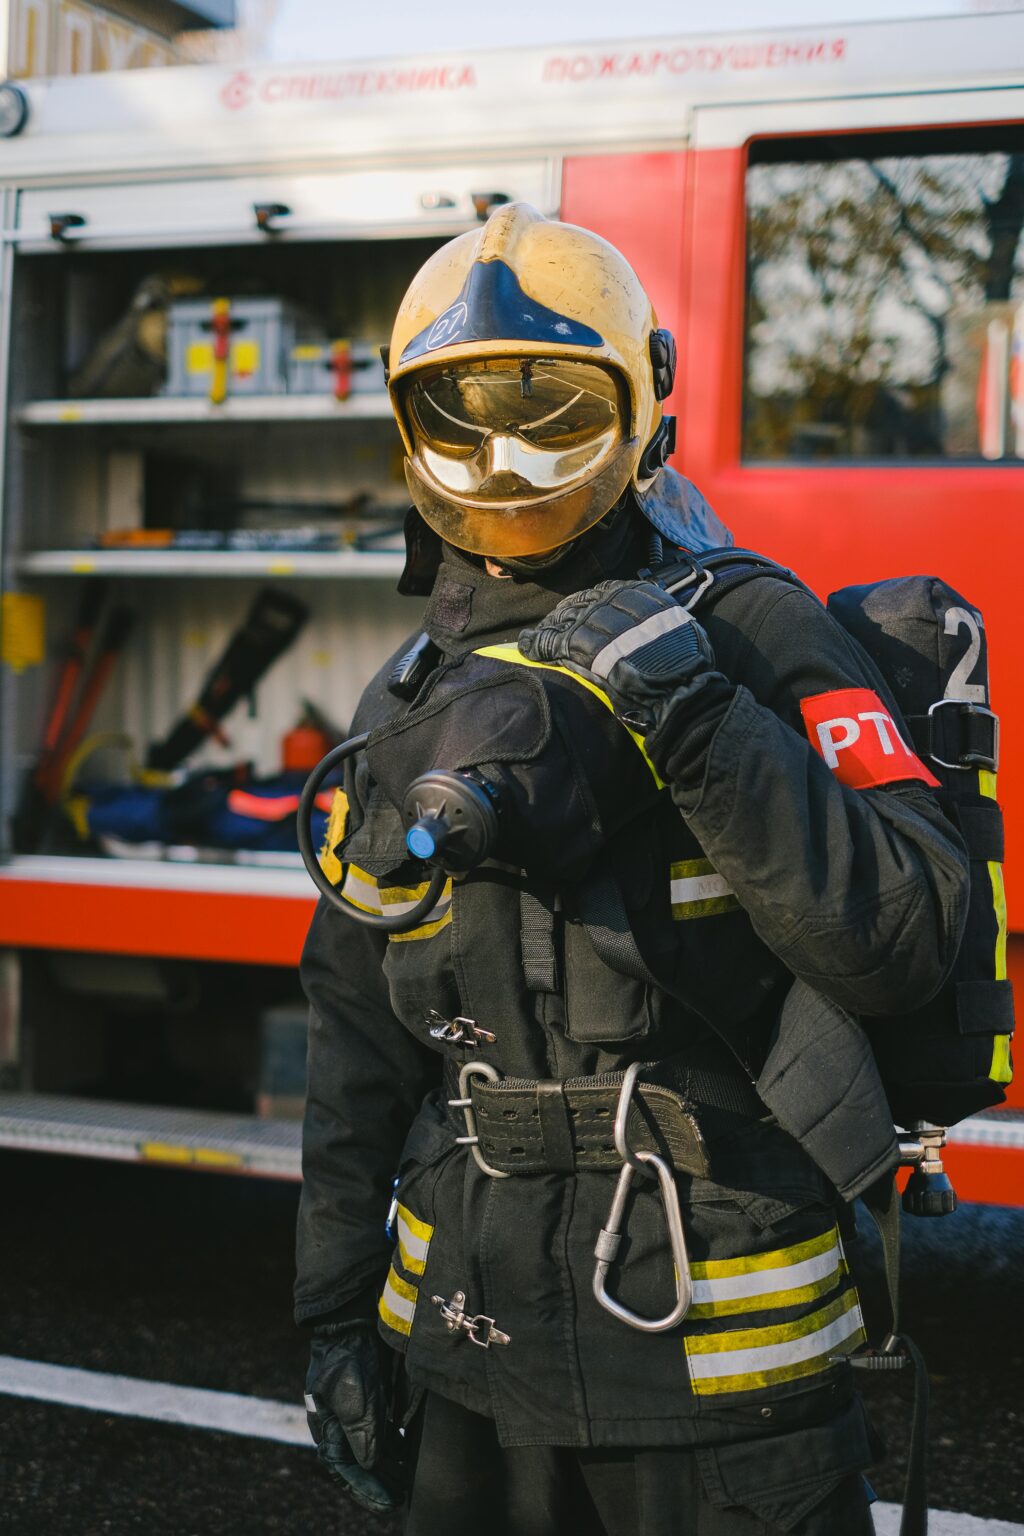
469 607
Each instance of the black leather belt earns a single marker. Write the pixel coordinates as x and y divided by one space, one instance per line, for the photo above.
547 1126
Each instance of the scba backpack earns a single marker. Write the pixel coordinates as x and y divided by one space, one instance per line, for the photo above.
951 1057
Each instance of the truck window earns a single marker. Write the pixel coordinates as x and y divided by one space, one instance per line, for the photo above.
885 297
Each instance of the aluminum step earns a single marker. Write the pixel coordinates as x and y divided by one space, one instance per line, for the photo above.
192 1138
992 1128
147 1133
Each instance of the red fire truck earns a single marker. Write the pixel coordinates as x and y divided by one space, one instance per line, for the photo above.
830 222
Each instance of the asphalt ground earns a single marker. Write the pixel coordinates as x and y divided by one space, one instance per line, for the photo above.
186 1278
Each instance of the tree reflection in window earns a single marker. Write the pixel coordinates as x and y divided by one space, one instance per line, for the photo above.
885 297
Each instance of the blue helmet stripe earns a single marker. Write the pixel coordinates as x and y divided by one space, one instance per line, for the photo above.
493 307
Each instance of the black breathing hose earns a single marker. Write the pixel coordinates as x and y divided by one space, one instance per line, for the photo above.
399 924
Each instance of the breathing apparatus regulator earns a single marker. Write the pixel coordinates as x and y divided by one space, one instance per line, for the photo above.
452 824
496 758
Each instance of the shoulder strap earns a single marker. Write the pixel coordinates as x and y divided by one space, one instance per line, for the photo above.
702 579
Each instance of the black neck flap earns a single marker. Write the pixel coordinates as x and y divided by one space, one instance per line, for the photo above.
469 608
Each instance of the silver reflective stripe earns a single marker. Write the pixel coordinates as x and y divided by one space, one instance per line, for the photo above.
700 888
401 1302
400 908
361 888
661 623
769 1282
413 1240
786 1352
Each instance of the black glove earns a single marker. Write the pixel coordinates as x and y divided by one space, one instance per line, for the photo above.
347 1402
629 637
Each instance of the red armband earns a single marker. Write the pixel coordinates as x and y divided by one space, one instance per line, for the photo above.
859 740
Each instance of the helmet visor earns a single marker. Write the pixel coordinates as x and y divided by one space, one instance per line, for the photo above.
510 430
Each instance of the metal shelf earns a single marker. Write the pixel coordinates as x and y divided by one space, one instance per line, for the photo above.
144 1133
305 564
199 911
991 1128
158 874
170 410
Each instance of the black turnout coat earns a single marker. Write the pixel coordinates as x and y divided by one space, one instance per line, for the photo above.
765 869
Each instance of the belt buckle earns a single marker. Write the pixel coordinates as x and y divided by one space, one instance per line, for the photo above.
465 1102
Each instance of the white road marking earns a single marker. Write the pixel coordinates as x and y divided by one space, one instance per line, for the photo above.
235 1414
229 1412
942 1523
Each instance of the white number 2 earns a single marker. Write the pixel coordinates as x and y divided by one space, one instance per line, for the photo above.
959 685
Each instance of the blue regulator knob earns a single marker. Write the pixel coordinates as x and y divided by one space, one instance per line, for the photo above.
451 819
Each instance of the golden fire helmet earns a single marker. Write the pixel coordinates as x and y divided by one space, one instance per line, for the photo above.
527 372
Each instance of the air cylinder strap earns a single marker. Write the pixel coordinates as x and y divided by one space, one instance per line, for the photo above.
511 655
883 1203
603 910
537 936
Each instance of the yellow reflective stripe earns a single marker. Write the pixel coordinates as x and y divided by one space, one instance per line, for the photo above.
400 898
1001 1070
696 889
399 1324
691 869
748 1359
397 1305
409 1260
773 1376
776 1258
202 1157
740 1341
336 824
409 895
421 1229
364 892
995 874
803 1278
427 931
769 1301
1001 1067
413 1241
211 1157
712 906
402 1288
513 655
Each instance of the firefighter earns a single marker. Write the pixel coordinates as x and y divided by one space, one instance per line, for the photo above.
590 1012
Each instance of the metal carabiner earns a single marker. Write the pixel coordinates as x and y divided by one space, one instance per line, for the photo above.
611 1235
626 1092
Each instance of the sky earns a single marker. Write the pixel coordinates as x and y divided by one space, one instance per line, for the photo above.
354 29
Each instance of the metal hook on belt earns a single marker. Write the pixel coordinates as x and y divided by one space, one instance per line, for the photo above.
611 1235
465 1103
